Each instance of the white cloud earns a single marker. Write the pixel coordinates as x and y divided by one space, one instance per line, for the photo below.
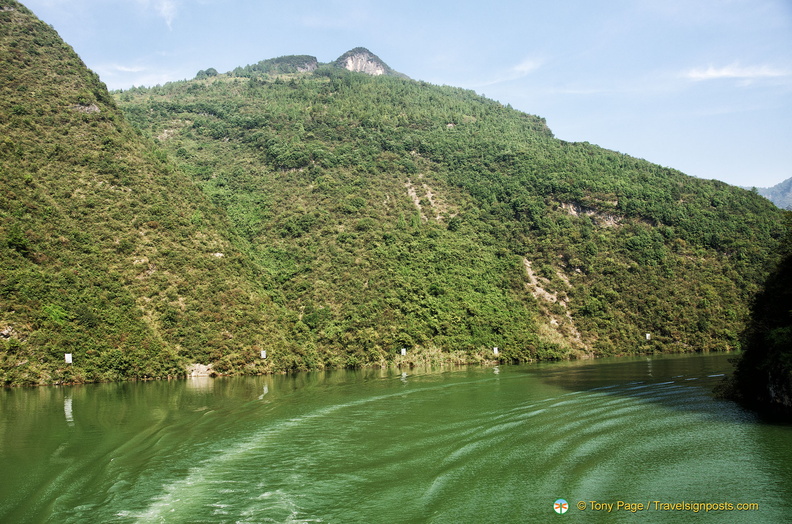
118 76
167 9
735 71
521 70
126 69
526 67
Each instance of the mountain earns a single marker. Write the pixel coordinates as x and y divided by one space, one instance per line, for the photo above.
361 60
108 252
780 194
331 218
394 213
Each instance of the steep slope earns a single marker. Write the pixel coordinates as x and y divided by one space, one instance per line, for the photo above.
763 377
396 213
107 251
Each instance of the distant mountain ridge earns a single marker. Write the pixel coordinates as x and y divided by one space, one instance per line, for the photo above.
780 194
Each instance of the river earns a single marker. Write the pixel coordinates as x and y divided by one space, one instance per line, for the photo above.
623 439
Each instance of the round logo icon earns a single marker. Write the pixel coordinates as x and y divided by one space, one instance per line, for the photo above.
560 506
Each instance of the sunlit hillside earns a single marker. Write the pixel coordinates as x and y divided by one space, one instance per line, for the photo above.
331 218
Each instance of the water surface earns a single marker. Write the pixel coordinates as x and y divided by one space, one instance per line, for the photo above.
465 445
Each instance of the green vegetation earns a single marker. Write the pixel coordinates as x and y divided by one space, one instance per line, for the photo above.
106 248
392 212
278 66
763 378
332 218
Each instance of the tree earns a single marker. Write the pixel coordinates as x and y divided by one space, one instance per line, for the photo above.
204 74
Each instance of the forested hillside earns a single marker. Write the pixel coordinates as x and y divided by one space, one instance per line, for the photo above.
395 213
332 218
107 250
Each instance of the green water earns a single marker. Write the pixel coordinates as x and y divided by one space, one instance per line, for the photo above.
466 445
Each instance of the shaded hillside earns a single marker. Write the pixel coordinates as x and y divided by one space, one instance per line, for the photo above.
107 251
763 377
396 213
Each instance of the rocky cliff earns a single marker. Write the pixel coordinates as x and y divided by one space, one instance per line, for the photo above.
361 60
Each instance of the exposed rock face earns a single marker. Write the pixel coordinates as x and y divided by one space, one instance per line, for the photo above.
307 67
90 108
361 60
199 370
364 63
779 390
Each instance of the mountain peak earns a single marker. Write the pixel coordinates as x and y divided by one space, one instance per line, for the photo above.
361 60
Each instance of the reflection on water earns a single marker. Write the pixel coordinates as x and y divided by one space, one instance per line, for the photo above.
264 392
200 383
496 444
67 410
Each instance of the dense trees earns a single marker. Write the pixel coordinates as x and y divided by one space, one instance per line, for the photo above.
422 202
333 218
106 250
203 74
763 378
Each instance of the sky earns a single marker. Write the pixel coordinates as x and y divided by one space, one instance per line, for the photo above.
702 86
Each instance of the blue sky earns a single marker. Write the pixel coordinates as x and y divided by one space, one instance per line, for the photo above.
703 86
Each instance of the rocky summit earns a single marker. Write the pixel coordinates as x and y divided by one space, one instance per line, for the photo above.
361 60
